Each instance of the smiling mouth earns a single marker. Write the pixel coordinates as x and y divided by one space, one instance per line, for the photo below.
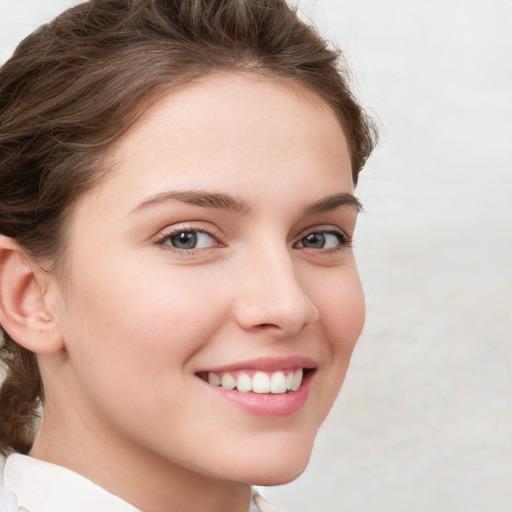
258 381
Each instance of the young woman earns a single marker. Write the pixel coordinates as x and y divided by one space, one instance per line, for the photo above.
177 288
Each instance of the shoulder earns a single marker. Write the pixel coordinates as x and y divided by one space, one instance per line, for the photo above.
8 502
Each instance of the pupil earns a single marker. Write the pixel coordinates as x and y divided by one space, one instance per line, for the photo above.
315 240
185 240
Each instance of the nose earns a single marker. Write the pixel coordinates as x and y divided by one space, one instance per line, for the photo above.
271 297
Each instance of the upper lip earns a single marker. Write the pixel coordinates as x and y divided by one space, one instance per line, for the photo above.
268 364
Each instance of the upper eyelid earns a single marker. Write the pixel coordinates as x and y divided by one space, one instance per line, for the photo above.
324 228
195 226
166 233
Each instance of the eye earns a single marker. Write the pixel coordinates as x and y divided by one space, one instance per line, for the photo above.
324 240
188 239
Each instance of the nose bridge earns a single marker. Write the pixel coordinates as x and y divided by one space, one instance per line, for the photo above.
272 295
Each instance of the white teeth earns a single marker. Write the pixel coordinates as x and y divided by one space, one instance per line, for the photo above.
278 383
297 379
289 380
261 382
214 379
244 383
228 381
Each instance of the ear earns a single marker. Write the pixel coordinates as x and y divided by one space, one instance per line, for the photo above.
25 305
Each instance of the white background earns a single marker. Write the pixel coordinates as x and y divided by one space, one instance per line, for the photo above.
424 422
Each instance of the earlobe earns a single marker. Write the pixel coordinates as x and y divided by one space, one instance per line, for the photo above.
24 313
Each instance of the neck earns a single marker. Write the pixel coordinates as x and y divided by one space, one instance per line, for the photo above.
142 478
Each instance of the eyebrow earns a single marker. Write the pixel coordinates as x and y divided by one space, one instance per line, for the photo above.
222 201
198 198
334 201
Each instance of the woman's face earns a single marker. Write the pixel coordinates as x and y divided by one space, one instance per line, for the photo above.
217 249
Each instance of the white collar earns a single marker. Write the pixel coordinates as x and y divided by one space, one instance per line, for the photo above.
43 487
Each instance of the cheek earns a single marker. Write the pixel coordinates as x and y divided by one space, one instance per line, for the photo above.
140 321
342 308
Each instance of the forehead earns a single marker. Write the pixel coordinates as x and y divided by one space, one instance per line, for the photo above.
218 97
224 128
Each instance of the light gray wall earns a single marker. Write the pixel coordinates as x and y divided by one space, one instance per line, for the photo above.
424 422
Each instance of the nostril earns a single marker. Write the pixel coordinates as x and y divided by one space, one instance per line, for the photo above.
268 326
279 329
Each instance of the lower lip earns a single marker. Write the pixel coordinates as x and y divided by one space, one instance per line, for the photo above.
267 404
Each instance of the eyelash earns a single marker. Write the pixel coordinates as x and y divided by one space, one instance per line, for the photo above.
167 236
344 240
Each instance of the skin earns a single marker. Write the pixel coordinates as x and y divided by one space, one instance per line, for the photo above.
138 318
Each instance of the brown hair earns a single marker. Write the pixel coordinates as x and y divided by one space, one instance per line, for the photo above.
75 85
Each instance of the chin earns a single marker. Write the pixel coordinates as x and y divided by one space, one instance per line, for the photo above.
276 469
278 477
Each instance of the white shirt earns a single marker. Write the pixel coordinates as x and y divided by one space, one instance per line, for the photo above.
31 485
